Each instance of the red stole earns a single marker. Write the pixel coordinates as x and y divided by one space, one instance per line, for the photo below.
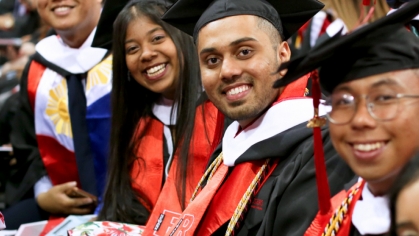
215 204
320 222
148 180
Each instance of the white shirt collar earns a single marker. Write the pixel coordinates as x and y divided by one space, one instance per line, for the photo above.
277 119
371 214
74 60
162 109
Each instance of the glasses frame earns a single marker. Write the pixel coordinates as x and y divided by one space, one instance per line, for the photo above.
370 106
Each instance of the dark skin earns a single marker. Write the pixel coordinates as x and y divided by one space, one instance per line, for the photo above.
237 66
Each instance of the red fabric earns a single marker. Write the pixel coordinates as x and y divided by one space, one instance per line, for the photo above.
57 160
321 220
208 202
53 221
36 70
326 24
167 198
147 176
323 190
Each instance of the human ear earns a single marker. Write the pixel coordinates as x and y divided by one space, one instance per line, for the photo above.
284 55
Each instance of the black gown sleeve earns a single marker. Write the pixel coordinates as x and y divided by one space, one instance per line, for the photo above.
29 167
289 197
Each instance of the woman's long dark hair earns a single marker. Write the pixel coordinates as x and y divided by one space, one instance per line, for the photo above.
408 175
131 101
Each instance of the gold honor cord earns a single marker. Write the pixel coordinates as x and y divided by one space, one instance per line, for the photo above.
332 228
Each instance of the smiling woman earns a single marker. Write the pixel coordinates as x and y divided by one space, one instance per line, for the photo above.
162 125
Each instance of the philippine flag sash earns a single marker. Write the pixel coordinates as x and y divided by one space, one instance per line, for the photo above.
48 96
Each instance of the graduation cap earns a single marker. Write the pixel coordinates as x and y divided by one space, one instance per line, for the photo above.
111 9
380 47
286 15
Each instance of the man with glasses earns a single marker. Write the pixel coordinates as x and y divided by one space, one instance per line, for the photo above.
372 111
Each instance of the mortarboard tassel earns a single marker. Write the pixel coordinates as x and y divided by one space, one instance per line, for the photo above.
316 123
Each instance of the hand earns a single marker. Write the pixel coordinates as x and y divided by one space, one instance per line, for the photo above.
56 201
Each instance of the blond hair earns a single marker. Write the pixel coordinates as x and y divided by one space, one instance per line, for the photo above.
350 10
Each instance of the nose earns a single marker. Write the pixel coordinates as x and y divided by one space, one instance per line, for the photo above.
148 53
230 69
362 118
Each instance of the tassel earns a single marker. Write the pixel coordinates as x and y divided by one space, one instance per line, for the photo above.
316 123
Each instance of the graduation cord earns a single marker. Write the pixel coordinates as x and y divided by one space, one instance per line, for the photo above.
210 171
247 199
248 196
333 226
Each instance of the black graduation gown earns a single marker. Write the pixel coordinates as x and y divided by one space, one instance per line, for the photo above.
29 167
287 202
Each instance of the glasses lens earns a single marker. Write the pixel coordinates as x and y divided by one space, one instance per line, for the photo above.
342 108
383 105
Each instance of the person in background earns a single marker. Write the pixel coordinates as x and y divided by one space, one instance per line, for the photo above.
60 133
403 201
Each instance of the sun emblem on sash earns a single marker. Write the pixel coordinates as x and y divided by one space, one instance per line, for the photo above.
100 74
57 109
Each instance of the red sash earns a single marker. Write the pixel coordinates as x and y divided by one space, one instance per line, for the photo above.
147 181
320 221
210 199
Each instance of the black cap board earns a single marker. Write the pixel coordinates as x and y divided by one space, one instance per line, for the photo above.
382 46
286 15
111 9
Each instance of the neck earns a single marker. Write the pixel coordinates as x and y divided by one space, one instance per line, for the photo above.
380 188
75 37
73 40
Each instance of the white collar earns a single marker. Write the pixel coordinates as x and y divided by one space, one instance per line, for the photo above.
277 119
371 214
162 109
74 60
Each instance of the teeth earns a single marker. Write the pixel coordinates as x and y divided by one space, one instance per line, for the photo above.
368 147
238 90
61 9
156 70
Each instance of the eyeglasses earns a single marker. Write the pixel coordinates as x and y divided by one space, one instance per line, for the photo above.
381 105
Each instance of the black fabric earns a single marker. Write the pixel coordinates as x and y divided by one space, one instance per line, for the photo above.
6 6
382 46
7 114
287 202
29 167
110 10
26 211
82 150
287 16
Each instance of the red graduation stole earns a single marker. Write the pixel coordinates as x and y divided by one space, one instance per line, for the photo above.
216 203
167 199
321 222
